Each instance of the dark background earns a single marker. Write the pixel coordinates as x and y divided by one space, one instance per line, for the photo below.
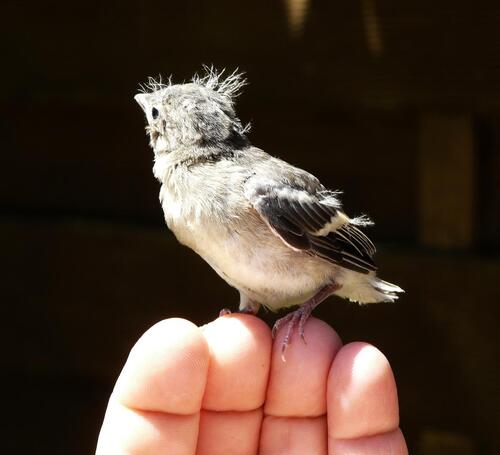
396 103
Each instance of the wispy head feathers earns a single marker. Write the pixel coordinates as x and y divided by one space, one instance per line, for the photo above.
153 85
213 79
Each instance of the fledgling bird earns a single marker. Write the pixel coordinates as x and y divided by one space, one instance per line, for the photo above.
271 230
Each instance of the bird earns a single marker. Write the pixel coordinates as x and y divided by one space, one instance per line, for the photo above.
271 230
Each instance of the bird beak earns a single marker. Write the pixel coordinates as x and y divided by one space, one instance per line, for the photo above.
141 100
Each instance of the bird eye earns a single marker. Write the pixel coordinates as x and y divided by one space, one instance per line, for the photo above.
155 113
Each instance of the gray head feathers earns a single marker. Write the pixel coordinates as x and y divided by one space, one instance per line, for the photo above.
196 114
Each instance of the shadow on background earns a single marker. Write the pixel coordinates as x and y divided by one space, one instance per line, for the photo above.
397 105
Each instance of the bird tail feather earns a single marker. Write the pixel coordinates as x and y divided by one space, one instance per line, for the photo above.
363 289
387 292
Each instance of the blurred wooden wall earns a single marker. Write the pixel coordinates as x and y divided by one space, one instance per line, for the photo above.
397 104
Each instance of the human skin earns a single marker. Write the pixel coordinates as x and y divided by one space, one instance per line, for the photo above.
224 389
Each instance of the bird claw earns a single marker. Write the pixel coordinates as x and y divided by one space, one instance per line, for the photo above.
297 318
300 316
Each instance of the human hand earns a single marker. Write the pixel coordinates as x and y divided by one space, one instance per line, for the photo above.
224 389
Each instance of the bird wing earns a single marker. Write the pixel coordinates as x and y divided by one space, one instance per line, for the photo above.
311 222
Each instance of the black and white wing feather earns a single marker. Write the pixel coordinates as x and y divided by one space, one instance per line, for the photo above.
312 221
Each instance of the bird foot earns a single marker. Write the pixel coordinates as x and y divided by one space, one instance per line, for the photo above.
297 318
300 316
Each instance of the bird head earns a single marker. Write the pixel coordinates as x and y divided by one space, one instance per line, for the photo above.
195 114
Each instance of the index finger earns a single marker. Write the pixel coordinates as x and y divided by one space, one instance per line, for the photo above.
166 369
155 405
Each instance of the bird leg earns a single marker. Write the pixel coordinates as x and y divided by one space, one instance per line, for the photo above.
301 315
